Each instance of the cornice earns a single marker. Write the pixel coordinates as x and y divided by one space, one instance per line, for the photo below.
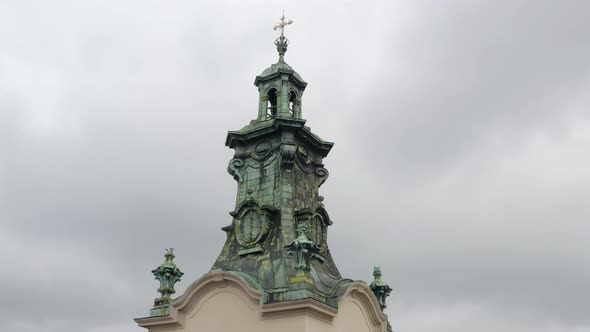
276 125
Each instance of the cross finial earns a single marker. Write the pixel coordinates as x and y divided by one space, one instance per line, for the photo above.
282 25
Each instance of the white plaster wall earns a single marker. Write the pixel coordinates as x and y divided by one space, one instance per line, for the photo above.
225 306
229 309
352 317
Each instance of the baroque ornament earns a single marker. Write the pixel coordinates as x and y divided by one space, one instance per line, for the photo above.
252 224
262 150
303 249
379 288
168 275
233 166
288 156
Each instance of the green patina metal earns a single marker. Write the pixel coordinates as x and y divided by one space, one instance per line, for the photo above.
381 291
379 288
277 240
278 234
168 275
303 249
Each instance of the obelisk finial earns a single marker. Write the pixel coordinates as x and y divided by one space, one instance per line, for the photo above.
282 41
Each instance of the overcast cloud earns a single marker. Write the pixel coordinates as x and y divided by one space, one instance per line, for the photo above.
461 163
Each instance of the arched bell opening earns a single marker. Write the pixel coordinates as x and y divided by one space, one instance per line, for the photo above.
293 104
271 105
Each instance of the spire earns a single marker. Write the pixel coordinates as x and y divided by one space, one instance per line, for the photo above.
278 236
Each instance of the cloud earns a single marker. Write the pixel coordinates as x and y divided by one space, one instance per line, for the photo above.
464 74
459 164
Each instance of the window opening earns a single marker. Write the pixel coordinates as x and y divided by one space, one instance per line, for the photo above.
292 100
271 108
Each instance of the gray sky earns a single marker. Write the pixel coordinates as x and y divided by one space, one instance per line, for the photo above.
461 162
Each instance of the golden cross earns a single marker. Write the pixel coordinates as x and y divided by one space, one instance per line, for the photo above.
282 25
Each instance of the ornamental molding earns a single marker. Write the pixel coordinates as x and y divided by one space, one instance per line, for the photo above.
262 150
322 174
277 124
252 221
261 160
288 152
233 166
215 281
360 292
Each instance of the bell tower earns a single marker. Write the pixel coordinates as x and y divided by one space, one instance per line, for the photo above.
279 231
280 88
275 269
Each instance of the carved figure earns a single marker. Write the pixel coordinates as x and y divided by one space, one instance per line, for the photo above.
303 248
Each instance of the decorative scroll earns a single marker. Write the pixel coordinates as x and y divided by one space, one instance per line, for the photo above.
233 166
322 174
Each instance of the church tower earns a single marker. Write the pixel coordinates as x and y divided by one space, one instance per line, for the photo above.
275 271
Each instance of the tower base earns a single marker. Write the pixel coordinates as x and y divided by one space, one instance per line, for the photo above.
224 301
